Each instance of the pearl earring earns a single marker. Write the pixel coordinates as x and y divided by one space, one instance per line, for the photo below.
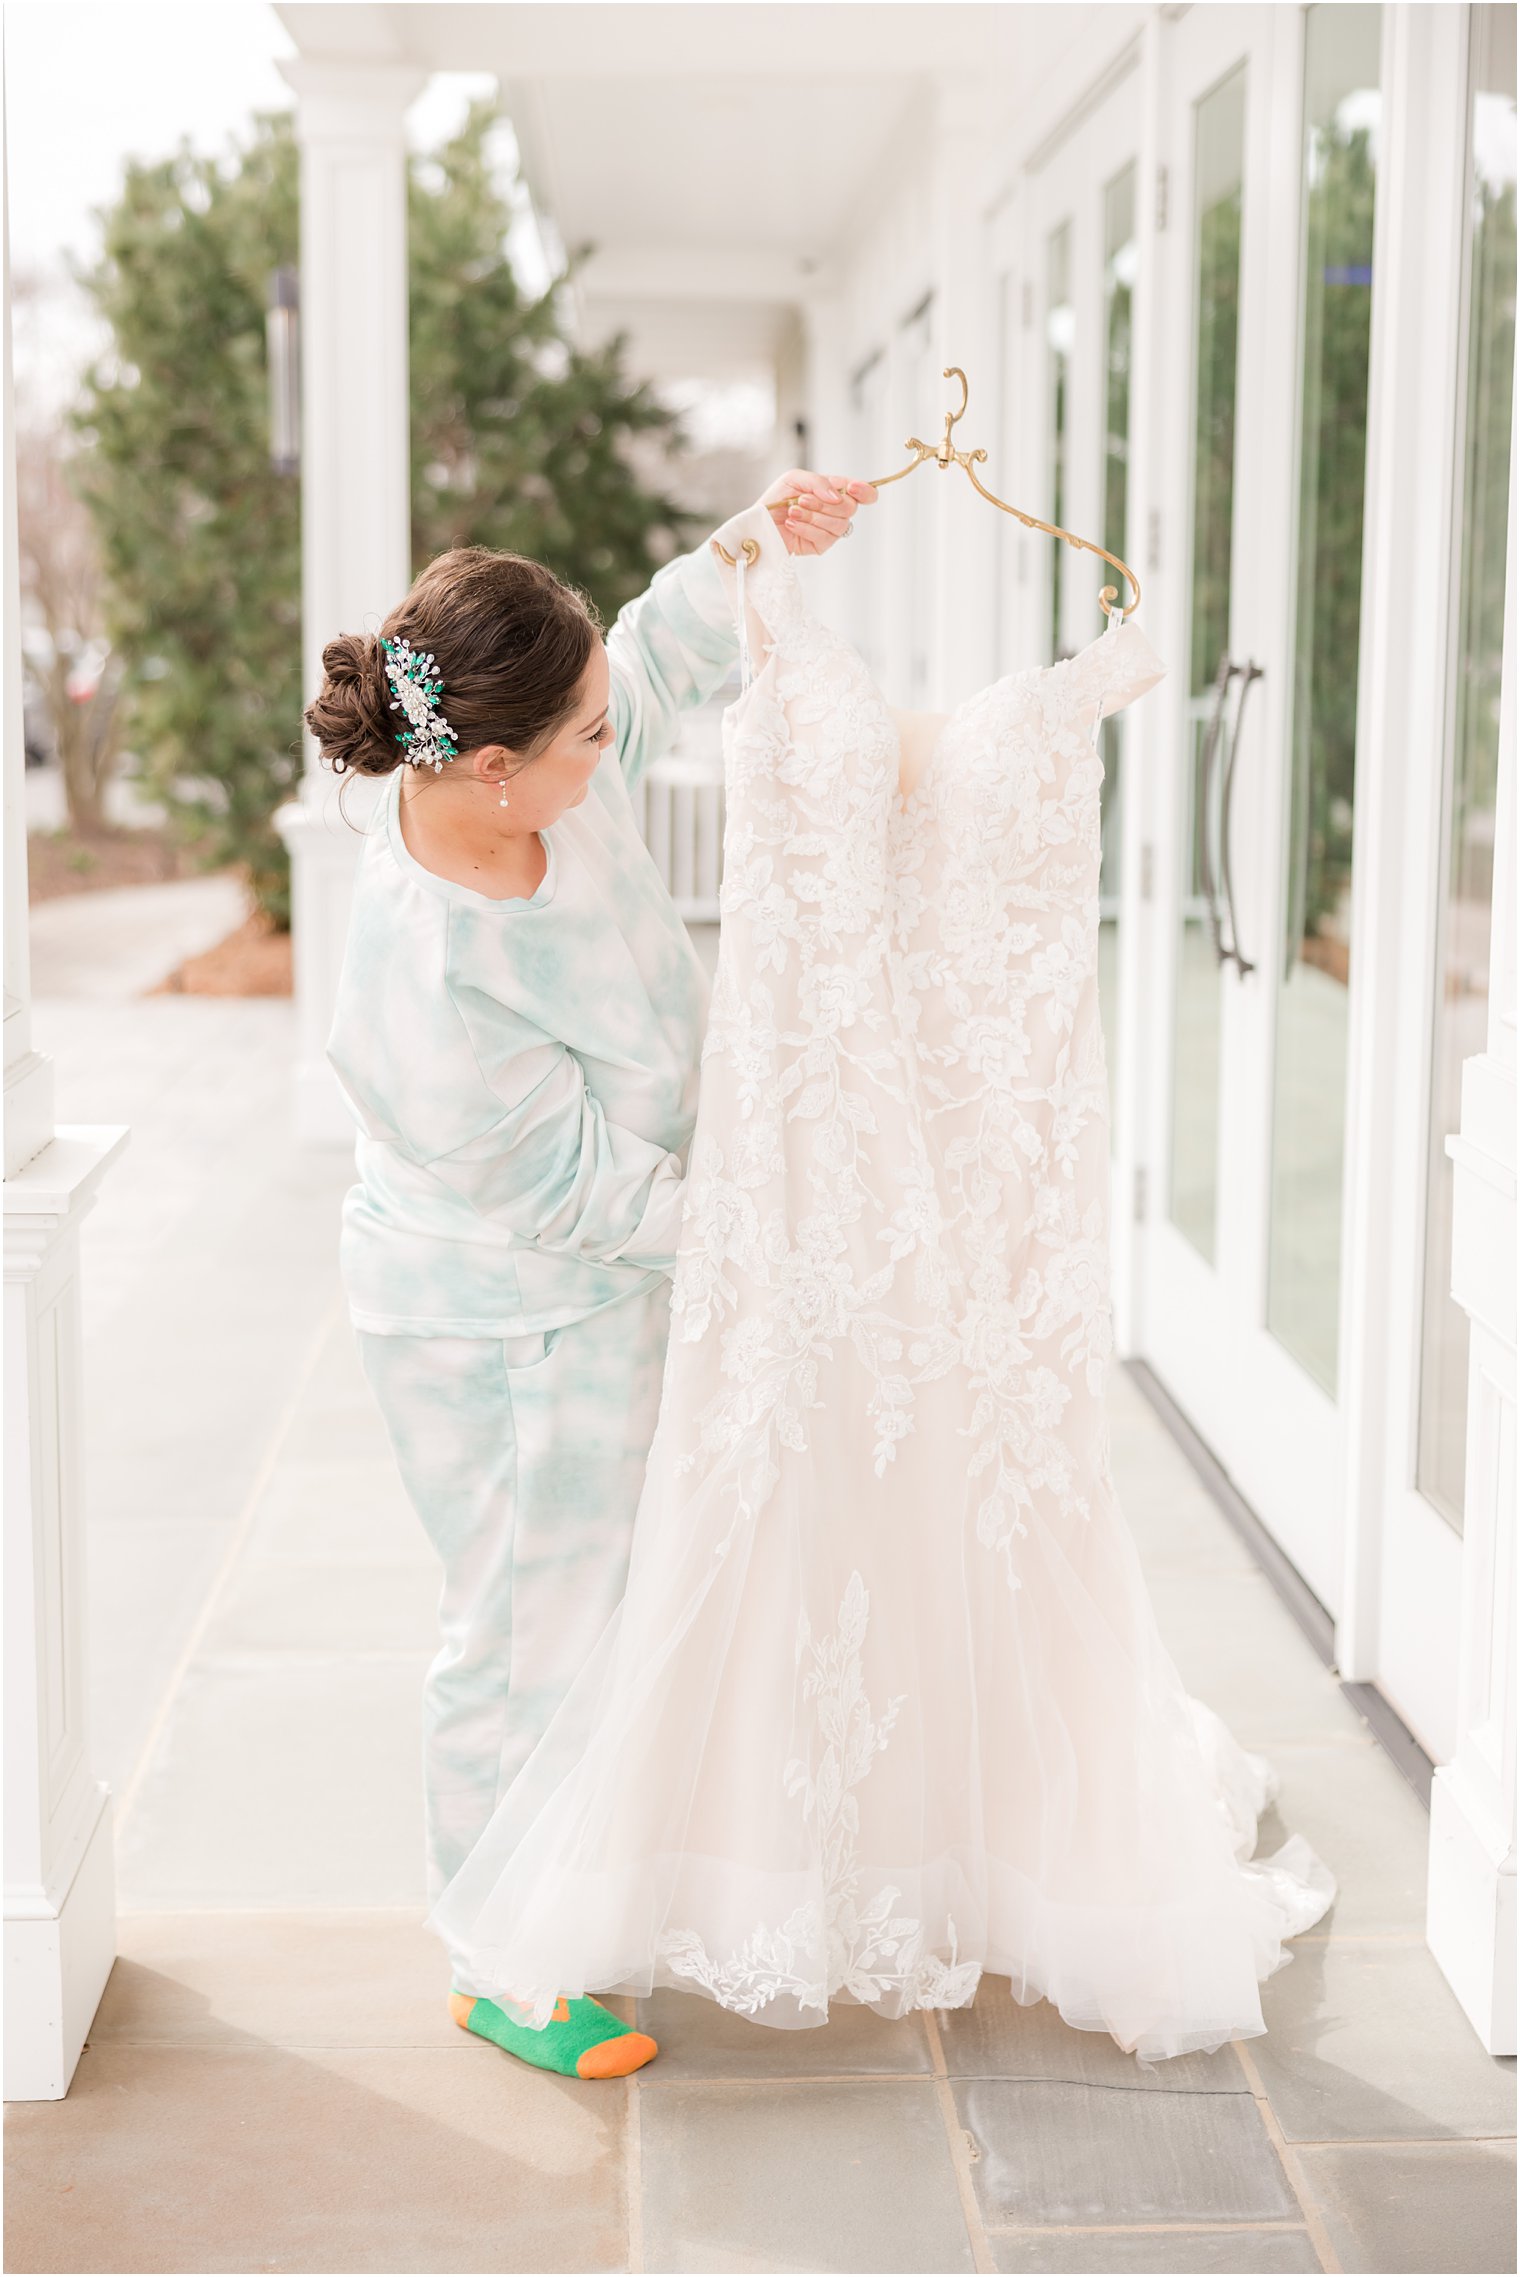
504 799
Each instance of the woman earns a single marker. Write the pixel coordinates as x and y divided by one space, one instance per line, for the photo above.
517 1030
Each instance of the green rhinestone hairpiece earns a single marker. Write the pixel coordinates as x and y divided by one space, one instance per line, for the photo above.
427 740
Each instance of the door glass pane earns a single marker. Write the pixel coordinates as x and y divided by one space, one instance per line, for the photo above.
1461 981
1120 255
1341 118
1060 333
1218 152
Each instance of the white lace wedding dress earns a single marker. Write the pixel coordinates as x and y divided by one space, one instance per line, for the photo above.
886 1705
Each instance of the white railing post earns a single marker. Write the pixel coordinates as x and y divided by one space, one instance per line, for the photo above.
678 804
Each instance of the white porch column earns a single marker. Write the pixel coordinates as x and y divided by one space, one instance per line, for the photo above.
355 483
1471 1897
60 1907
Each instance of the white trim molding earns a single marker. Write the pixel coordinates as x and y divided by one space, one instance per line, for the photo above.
60 1896
1471 1897
1471 1920
60 1920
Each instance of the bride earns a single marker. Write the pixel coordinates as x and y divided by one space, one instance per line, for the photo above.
885 1705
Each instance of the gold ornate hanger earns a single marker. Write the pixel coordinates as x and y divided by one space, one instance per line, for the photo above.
943 454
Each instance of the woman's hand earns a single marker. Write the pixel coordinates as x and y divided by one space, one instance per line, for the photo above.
822 509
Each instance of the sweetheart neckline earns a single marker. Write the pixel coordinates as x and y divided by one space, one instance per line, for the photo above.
899 805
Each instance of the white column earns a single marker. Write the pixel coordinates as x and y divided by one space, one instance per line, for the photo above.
1471 1919
355 484
60 1910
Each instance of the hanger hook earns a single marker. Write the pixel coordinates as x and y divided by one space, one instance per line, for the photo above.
947 451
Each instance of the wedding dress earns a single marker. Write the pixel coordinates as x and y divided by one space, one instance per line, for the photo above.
886 1705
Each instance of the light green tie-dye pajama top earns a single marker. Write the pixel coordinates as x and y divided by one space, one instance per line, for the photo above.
524 1073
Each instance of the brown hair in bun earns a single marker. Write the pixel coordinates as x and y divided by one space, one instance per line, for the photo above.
511 642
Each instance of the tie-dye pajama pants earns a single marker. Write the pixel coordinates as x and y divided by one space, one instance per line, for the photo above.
523 1457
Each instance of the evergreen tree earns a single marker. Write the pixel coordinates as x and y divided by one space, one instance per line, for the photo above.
519 440
199 537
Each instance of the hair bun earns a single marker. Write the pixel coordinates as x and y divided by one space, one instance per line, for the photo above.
508 640
352 719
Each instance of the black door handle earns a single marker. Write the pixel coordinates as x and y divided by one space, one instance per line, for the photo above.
1244 964
1222 679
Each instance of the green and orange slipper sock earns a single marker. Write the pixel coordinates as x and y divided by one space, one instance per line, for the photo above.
582 2038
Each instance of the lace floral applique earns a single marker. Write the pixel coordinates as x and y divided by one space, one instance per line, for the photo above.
835 1943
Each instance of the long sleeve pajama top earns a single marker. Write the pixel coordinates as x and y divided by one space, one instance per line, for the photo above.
524 1072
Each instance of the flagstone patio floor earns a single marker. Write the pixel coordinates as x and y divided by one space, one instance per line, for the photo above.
272 2081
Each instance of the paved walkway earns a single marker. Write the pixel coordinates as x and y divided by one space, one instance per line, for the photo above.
272 2081
119 943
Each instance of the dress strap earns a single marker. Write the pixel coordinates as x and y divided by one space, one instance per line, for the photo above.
746 666
1115 619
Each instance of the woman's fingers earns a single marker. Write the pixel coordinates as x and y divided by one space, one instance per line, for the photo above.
832 520
824 509
794 482
814 510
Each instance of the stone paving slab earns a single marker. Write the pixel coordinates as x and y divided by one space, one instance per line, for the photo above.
370 1979
1350 1803
814 2175
1367 2042
282 1780
1164 2251
699 2040
1237 1647
292 1604
146 1583
999 2038
1418 2207
1051 2151
216 2158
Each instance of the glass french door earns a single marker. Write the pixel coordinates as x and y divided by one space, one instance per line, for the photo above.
1449 962
1082 261
1268 301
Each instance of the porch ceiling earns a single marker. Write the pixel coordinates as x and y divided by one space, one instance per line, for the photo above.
708 152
